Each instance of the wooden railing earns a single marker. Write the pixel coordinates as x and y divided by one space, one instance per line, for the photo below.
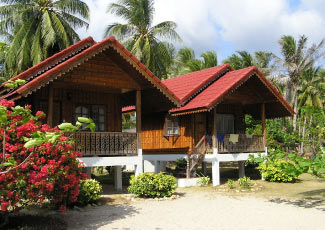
245 144
105 143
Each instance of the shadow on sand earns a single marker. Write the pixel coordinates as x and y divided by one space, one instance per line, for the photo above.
92 218
310 199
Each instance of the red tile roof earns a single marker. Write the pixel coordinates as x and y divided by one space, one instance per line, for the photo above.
67 59
214 93
187 85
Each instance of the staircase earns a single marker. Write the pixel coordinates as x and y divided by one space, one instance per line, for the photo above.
196 157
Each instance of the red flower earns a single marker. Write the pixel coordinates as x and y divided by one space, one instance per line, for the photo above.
6 103
4 206
49 187
63 208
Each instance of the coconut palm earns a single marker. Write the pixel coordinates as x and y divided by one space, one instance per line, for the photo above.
39 28
149 43
296 60
185 61
312 88
243 59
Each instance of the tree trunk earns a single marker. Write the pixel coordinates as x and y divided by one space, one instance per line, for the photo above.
295 100
302 152
288 92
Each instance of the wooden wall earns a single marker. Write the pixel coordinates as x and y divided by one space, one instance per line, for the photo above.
153 140
65 101
192 128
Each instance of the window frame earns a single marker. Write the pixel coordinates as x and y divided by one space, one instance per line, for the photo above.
91 109
171 123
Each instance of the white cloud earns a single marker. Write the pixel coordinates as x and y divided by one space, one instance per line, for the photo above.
227 26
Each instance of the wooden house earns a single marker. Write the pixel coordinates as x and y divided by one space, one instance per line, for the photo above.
214 103
95 79
98 79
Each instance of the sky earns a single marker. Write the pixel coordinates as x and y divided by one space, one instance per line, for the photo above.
226 26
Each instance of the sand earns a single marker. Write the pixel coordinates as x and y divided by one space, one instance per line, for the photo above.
198 210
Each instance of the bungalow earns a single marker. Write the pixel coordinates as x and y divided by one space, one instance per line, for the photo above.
95 79
214 102
173 116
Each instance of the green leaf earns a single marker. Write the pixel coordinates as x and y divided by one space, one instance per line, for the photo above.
68 127
85 120
33 142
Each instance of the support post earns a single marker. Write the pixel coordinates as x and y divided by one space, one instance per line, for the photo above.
215 162
204 168
88 172
50 107
263 123
241 167
157 166
118 178
138 130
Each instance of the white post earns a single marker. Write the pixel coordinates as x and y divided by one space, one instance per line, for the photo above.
215 172
118 178
139 166
241 166
162 166
88 172
157 166
215 161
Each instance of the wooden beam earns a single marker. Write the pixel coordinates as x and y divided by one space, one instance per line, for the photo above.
263 123
50 107
214 132
138 117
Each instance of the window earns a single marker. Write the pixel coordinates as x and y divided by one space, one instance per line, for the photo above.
95 112
171 126
225 123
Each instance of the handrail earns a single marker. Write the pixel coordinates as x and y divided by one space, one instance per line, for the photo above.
105 143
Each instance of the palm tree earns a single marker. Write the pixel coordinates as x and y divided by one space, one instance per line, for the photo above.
296 60
39 28
147 42
312 91
243 59
185 61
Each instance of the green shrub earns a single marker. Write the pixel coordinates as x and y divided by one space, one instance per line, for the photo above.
204 180
279 166
90 191
230 184
152 185
278 171
245 182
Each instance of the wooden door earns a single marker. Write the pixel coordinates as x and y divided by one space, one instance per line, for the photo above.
199 126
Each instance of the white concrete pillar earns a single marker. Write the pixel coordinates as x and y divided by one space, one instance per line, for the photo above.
88 172
139 166
215 172
162 166
241 166
157 166
118 178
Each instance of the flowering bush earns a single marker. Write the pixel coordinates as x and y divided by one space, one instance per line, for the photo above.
37 162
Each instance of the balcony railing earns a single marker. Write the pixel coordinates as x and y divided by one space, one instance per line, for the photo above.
245 144
105 143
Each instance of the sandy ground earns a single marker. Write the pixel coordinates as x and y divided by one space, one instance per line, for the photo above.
199 210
